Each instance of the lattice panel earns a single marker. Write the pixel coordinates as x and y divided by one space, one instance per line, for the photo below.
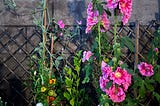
17 44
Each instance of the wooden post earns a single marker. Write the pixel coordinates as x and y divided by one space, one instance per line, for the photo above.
136 45
44 30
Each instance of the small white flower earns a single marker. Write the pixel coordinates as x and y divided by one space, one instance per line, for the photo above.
35 72
39 104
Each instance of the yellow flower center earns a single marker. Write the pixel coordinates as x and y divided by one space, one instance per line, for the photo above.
118 74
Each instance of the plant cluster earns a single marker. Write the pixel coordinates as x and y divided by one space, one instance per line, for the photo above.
56 83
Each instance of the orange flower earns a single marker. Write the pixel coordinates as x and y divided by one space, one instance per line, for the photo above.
51 98
52 81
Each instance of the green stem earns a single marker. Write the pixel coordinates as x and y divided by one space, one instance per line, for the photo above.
99 38
115 29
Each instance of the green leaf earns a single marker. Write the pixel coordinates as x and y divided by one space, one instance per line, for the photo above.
109 84
69 90
142 90
127 42
149 87
68 82
157 96
66 95
100 8
157 77
59 58
72 102
77 82
86 80
57 63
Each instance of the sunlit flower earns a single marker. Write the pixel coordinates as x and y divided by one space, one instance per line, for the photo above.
86 55
103 82
120 77
125 7
145 69
39 104
43 89
61 24
111 4
116 93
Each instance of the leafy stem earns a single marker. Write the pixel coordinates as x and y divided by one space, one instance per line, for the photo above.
99 37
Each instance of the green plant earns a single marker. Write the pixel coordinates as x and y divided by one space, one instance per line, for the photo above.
74 93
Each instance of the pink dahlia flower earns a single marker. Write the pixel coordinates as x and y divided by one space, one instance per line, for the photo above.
86 55
104 21
116 94
61 24
125 7
121 76
111 4
103 82
145 69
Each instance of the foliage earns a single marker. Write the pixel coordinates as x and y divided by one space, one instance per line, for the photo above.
74 93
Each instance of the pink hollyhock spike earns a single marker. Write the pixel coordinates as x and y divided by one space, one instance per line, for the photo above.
92 17
125 7
111 4
121 77
103 82
145 69
86 55
116 94
104 21
61 24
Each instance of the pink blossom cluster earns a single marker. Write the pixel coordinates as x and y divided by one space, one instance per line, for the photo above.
120 79
86 55
145 69
125 7
93 18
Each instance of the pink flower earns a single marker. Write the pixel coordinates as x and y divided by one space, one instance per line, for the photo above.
103 82
120 77
79 22
92 18
156 50
86 55
61 34
145 69
111 4
104 21
61 24
125 7
106 69
116 93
